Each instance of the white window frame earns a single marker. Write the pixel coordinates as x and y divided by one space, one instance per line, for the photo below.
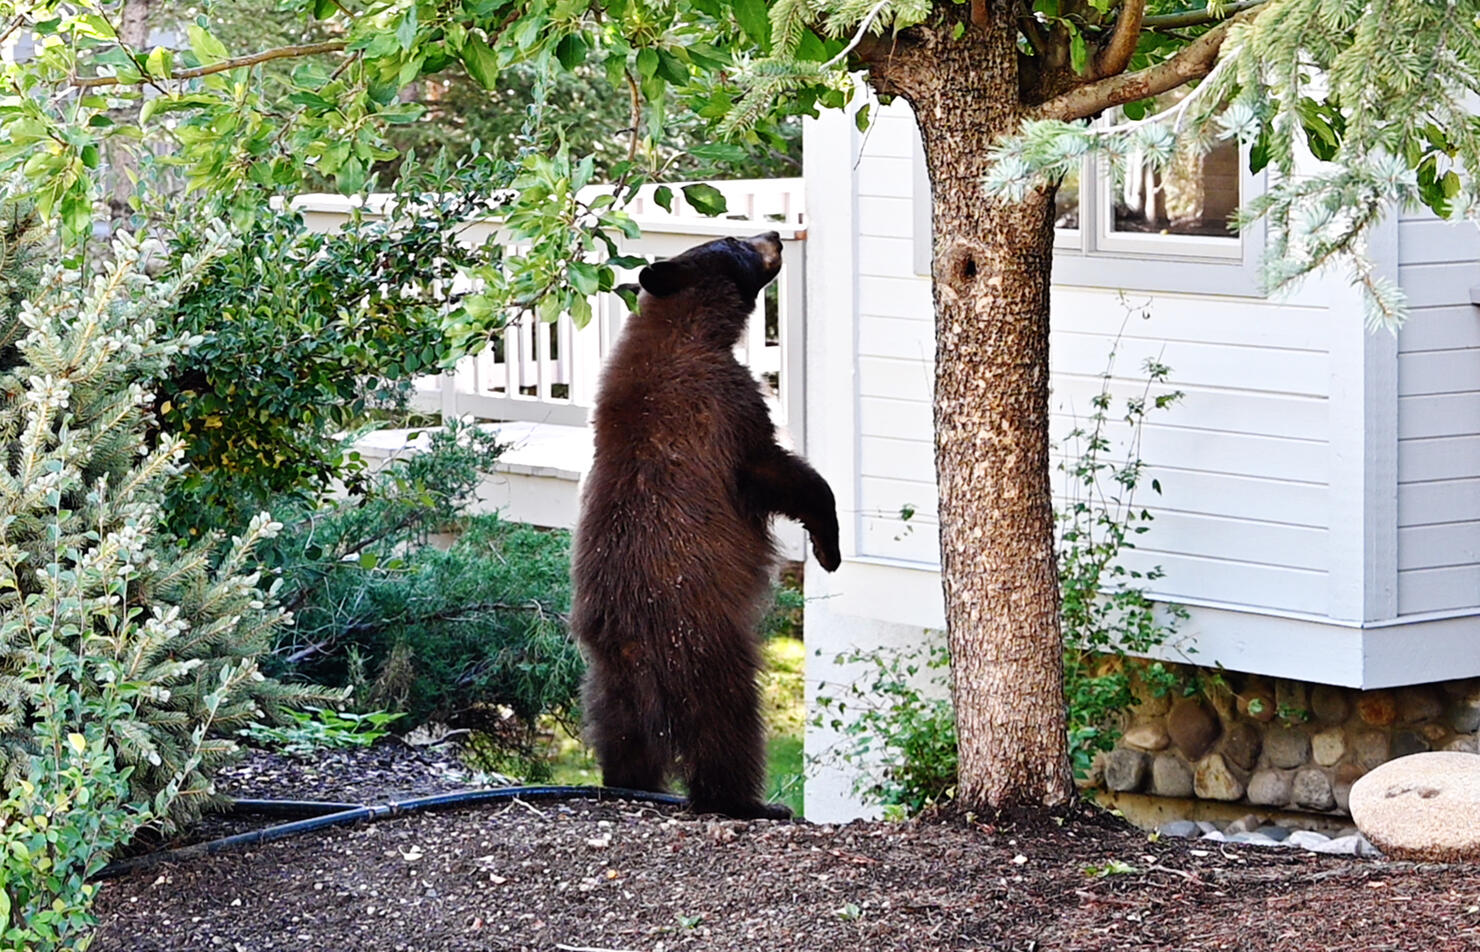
1094 256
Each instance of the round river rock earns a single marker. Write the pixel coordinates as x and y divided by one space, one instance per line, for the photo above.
1423 807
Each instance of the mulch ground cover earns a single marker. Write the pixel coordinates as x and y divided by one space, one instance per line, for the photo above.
580 875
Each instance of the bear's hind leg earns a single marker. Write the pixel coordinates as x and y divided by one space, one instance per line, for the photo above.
620 729
724 751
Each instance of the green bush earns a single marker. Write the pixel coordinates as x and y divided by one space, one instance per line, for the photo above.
1104 610
898 726
474 635
123 658
300 335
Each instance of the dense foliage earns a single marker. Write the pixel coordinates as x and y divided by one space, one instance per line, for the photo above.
473 634
123 659
300 333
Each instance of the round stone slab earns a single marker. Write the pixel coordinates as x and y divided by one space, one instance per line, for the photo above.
1423 806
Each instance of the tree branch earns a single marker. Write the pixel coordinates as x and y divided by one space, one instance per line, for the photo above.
1193 62
636 94
1112 59
282 52
15 24
1176 21
1032 30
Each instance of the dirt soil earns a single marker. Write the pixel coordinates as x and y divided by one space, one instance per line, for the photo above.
580 875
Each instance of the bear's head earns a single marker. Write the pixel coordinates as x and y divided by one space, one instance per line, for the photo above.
740 265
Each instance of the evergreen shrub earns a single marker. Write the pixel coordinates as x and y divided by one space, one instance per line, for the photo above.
473 634
125 660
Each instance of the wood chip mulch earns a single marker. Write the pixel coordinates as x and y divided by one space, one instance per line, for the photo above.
579 875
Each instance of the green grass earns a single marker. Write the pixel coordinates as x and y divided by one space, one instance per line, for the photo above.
571 762
785 711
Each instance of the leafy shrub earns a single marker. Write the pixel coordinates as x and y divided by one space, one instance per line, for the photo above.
898 725
318 728
784 618
474 635
301 334
1104 610
122 657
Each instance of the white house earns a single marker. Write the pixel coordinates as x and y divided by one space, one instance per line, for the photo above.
1320 514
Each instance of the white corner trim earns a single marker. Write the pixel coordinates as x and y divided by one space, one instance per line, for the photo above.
831 392
1363 405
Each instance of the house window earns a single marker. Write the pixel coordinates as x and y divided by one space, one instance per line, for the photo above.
1139 228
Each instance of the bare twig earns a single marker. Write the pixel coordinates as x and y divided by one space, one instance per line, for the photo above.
1113 57
1195 61
348 62
1202 17
11 27
282 52
636 92
532 808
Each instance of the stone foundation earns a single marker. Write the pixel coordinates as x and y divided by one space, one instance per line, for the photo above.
1280 745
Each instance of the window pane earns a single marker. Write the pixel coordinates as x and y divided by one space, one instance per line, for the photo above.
1194 195
1066 202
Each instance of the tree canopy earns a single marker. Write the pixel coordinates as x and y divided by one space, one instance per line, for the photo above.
1377 89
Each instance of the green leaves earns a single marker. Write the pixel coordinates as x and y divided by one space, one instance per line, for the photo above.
755 20
207 48
705 198
481 61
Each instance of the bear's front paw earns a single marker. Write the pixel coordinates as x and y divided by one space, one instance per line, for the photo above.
827 554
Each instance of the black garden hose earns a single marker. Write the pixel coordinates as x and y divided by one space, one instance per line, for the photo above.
321 815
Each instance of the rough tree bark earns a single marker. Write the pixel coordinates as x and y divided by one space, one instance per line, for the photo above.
991 277
123 162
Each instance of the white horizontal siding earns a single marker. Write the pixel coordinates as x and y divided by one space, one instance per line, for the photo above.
881 176
897 297
1429 240
1443 545
1439 458
1438 417
1207 408
1215 451
1268 502
886 257
1438 590
1441 328
1435 503
1202 540
1440 371
1244 459
1268 370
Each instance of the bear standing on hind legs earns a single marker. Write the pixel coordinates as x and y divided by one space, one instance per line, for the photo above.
673 554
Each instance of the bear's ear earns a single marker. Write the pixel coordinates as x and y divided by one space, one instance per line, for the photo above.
662 278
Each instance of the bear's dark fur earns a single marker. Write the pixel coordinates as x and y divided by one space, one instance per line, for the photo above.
674 555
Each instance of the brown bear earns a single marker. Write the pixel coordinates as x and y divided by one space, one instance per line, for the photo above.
673 554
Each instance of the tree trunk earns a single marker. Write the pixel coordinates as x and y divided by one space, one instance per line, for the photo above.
123 161
991 277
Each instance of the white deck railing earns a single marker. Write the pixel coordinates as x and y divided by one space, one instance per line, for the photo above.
547 373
